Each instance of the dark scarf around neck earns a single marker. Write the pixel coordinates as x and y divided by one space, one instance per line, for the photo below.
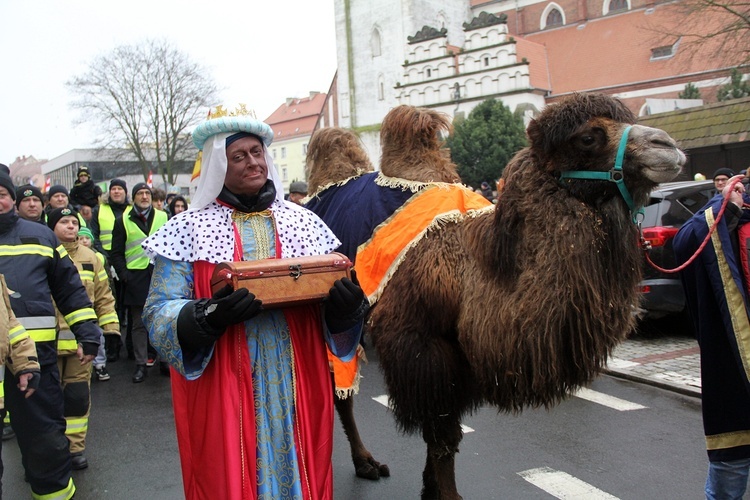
249 204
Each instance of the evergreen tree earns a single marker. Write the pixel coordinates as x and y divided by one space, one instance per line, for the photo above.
484 142
735 89
690 92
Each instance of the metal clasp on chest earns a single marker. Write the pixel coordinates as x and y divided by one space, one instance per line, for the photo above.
295 271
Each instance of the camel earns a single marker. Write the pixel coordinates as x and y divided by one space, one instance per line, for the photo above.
519 306
345 193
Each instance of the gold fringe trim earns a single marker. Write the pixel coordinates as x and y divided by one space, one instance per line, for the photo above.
333 184
343 393
452 216
407 185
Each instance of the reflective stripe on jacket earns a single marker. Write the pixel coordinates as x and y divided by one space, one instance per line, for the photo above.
37 271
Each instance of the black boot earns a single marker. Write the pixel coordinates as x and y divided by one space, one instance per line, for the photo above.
139 374
112 346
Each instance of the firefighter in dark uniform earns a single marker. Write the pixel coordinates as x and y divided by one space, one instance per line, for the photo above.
38 270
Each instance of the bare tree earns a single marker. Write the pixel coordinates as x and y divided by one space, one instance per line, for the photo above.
145 97
717 29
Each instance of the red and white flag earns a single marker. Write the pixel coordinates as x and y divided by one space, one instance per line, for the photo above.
150 179
47 184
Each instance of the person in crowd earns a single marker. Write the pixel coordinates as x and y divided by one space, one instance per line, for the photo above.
158 197
177 205
716 291
721 176
297 192
251 387
486 191
30 203
18 355
103 216
86 238
85 192
134 267
86 212
37 270
58 197
103 219
74 376
168 202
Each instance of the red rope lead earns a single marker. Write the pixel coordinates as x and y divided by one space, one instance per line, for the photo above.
705 241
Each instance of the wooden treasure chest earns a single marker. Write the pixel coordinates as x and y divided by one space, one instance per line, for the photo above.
284 282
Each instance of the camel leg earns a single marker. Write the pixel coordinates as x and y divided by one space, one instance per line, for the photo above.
365 465
439 477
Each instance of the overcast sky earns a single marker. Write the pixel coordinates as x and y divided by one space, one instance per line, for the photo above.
288 48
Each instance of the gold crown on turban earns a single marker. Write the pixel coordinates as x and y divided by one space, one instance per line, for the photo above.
224 119
239 110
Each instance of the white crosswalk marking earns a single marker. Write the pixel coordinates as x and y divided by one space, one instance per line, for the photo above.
383 400
563 485
606 400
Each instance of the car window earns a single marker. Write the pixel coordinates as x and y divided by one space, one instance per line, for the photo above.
684 205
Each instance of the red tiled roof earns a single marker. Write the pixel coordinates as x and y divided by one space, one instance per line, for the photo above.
536 54
616 50
296 116
293 128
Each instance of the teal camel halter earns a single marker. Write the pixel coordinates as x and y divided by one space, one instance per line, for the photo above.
615 175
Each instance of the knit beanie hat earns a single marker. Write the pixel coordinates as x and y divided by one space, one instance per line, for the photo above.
724 171
7 183
54 216
27 191
57 189
138 187
4 168
83 169
118 182
84 231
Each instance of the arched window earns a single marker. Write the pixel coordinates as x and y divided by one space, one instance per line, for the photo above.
554 18
618 5
381 87
375 42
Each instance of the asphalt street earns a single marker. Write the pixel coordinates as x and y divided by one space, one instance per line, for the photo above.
622 439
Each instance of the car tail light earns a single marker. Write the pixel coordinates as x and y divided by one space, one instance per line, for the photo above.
659 236
646 289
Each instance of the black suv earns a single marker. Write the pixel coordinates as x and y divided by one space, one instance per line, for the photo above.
669 207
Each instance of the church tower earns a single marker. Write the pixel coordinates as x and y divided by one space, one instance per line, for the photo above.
371 44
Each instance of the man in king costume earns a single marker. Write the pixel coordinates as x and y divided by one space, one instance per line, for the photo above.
251 388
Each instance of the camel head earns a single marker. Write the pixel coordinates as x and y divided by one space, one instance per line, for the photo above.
583 132
411 144
334 154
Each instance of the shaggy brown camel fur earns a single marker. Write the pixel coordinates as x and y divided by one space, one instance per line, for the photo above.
334 154
412 145
337 154
349 200
518 306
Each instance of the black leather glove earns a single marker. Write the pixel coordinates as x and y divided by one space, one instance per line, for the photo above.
346 304
201 322
229 307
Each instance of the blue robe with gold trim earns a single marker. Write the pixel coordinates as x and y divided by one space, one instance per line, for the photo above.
718 302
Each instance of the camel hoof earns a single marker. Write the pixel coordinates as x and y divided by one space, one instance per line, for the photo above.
368 468
384 470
